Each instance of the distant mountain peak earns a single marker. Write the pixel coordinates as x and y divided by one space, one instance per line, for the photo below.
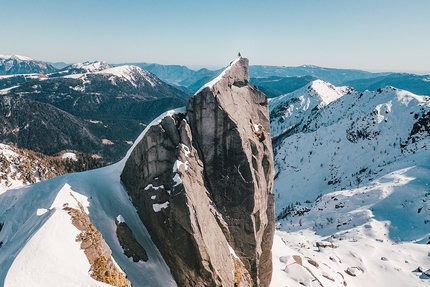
93 66
16 57
17 64
291 109
21 58
327 92
132 74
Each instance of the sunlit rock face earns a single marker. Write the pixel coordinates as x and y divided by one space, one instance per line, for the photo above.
201 181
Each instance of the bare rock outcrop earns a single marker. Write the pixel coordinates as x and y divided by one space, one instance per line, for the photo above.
98 253
202 184
128 242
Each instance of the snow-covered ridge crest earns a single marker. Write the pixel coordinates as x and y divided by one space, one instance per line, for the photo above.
289 110
131 73
16 57
16 64
92 66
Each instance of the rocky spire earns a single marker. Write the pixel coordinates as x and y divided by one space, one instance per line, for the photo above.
202 184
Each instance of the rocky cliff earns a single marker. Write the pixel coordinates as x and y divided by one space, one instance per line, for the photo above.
201 181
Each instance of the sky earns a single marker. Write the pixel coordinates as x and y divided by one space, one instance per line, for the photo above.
372 35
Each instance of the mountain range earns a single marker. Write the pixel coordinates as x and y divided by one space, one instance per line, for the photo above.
351 167
279 80
273 80
91 107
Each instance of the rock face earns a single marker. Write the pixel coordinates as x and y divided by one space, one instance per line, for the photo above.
201 181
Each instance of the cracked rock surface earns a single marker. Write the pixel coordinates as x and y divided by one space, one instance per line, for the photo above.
202 184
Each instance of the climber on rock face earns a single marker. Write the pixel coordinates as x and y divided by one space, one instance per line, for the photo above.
239 55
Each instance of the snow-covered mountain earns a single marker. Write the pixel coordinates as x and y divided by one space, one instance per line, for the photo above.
352 173
135 75
112 105
179 75
123 75
16 64
289 111
375 129
88 66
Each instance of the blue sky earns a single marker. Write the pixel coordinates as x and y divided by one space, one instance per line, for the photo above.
377 35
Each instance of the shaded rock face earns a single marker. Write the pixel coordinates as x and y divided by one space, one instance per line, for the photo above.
129 244
202 185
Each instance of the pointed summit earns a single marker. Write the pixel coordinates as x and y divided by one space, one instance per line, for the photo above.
202 180
236 72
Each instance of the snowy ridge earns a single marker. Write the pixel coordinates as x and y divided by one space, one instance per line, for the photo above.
291 109
16 57
5 91
353 173
131 73
91 67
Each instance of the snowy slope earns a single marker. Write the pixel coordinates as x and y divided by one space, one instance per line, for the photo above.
133 74
350 142
290 110
91 67
37 235
353 172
